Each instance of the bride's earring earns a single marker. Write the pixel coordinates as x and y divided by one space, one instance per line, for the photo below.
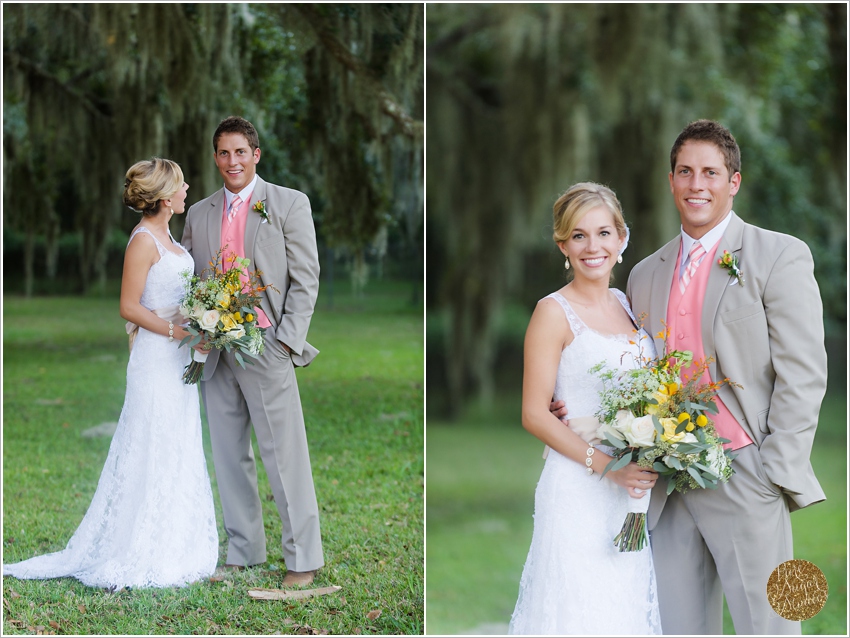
619 259
567 264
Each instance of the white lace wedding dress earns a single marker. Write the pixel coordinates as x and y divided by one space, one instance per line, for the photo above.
575 580
151 522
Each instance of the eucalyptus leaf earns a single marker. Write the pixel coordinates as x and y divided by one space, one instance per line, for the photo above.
696 476
706 469
671 485
622 462
617 443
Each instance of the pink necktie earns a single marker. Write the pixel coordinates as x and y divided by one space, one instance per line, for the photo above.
234 206
694 257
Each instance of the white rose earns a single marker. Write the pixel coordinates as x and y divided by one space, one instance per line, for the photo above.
623 420
607 432
641 432
197 311
237 333
209 320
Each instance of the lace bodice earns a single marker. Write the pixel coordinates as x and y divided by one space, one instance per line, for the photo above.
164 286
578 389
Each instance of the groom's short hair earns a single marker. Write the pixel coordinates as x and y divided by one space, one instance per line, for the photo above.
236 124
715 133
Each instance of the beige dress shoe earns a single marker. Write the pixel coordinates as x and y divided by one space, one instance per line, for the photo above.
301 579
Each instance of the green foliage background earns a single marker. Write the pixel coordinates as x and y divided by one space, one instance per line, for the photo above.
531 98
335 91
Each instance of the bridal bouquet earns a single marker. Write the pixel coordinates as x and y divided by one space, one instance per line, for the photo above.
655 416
222 309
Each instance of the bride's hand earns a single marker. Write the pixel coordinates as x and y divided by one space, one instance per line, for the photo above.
636 479
199 347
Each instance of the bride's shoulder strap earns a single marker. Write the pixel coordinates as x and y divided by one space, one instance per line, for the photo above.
142 229
576 324
621 297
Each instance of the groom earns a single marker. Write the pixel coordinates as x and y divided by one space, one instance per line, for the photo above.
282 244
765 332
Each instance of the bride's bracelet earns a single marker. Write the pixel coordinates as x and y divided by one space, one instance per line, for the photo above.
589 460
170 331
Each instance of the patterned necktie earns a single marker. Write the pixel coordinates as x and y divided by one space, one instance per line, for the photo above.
694 257
234 206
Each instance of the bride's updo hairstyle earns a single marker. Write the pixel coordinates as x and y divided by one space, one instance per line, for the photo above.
149 182
578 200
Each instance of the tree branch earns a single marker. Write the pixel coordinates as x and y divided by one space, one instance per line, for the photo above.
11 58
389 104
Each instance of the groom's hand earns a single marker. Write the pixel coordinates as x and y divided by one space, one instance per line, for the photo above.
559 409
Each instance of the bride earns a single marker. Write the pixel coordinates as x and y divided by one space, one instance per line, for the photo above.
151 522
575 581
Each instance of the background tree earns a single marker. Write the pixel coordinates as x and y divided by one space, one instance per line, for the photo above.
91 88
528 99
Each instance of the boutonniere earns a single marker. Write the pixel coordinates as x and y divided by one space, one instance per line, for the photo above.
260 207
730 263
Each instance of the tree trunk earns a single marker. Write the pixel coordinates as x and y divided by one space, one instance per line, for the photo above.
29 259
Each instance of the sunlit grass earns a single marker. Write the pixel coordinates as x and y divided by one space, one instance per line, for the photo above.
481 476
64 371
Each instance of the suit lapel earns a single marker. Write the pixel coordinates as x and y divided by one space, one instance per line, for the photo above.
252 225
718 282
662 279
214 218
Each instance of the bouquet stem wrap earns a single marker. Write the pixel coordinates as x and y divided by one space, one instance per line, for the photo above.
632 536
195 370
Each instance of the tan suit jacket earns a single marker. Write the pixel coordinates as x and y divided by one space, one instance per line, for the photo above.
766 335
284 249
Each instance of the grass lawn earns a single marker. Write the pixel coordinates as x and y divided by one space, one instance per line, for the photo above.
64 364
480 486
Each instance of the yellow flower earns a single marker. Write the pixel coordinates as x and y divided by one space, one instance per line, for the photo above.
660 396
238 317
684 416
249 317
228 322
702 420
669 424
672 388
689 427
224 301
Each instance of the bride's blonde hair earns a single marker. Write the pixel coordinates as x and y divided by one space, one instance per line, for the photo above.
150 181
578 200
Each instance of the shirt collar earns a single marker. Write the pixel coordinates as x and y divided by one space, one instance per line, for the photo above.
244 194
708 241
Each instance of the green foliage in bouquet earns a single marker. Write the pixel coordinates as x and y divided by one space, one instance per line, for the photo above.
655 415
221 306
